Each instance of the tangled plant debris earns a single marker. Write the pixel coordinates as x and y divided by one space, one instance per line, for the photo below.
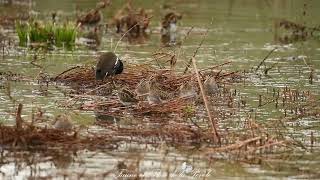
200 111
176 121
172 121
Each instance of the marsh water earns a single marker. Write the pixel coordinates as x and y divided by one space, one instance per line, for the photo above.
242 32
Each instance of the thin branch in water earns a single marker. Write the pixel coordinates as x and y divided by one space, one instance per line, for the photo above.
216 66
56 78
265 58
115 48
187 34
232 147
195 52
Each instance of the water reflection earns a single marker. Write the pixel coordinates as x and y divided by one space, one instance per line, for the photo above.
62 159
34 163
169 28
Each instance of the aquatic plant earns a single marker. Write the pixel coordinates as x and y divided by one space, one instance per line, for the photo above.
50 34
39 34
22 32
65 35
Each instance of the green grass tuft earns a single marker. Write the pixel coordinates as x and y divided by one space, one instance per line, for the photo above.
22 31
58 35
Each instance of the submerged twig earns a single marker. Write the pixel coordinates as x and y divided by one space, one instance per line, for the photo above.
265 58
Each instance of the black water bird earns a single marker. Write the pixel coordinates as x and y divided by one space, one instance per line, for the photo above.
108 65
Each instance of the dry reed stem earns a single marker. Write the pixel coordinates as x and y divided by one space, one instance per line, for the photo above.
232 147
265 146
34 136
187 34
148 18
265 58
195 52
216 66
205 100
56 78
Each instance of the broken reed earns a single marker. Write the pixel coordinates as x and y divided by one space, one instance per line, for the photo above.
48 34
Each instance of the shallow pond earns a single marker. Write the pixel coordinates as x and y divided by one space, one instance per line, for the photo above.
242 32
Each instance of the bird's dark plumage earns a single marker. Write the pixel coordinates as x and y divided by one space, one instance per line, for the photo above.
108 64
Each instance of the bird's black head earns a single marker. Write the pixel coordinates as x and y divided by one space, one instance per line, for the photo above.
119 67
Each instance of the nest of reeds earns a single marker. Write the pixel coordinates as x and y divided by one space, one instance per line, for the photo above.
82 80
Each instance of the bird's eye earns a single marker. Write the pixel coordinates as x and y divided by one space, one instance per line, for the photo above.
98 70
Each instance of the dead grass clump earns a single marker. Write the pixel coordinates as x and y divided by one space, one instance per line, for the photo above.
133 74
28 135
172 118
45 137
82 79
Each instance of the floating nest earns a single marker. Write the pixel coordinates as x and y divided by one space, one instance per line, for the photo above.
178 130
82 80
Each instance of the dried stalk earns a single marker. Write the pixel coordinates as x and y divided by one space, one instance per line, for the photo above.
216 66
115 48
277 143
195 52
205 100
264 59
187 34
56 78
233 147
